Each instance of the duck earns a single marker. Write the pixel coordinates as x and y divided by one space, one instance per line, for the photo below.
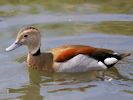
64 58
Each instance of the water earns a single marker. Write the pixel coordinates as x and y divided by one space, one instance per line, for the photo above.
66 22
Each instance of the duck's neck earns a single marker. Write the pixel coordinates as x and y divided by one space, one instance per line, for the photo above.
34 48
37 53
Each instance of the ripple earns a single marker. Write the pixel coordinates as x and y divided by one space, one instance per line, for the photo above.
58 18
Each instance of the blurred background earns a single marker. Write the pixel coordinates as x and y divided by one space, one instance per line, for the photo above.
100 23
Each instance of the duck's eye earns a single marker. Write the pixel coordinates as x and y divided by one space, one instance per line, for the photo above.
25 35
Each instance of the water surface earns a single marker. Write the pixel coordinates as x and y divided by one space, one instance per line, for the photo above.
102 23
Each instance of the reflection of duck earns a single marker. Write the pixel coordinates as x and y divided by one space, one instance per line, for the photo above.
30 91
41 84
68 58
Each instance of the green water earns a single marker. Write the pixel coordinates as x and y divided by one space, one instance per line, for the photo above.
100 23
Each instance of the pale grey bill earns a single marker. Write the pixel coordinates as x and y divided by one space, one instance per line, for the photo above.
13 46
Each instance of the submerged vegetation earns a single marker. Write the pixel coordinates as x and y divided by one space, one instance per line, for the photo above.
63 29
114 27
66 6
10 8
110 27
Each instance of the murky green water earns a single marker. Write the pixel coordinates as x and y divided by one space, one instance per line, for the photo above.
89 22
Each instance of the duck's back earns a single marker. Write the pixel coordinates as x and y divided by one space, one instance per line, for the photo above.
65 53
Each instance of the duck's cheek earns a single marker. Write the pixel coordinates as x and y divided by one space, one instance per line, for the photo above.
22 42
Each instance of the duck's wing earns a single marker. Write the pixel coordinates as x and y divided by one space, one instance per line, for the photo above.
106 56
64 53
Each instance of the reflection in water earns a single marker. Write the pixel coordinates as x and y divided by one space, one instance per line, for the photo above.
61 18
81 89
128 91
64 6
32 90
58 82
114 27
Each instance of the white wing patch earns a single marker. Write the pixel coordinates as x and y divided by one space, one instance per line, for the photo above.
115 53
110 61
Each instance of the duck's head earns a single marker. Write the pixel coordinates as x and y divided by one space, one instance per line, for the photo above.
28 36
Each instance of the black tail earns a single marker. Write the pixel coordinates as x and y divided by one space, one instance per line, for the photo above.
123 55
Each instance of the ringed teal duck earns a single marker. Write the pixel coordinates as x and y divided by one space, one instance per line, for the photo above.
67 58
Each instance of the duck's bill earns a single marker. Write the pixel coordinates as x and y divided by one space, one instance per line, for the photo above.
13 46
